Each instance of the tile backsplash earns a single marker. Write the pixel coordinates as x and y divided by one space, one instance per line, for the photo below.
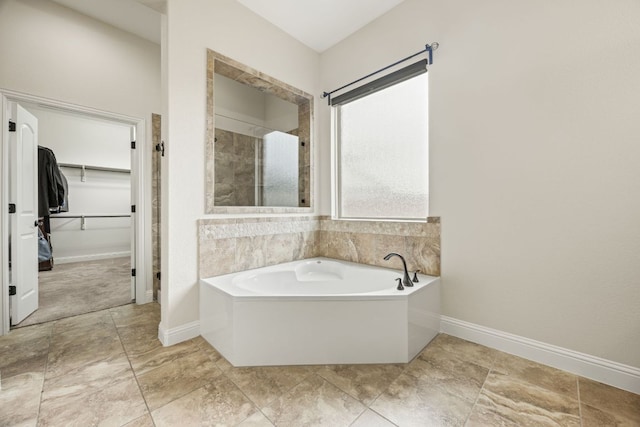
237 244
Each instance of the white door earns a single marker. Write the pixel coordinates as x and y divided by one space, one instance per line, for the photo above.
23 148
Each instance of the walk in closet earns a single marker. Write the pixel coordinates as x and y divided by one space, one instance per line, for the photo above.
84 162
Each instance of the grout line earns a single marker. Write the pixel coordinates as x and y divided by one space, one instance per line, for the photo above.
135 376
579 401
478 396
44 373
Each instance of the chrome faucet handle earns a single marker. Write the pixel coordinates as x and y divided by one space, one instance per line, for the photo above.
415 276
400 287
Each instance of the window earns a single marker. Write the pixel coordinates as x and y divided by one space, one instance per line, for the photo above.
381 153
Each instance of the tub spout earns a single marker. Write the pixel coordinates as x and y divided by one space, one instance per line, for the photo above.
406 281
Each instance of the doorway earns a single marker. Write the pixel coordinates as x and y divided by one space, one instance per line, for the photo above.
99 255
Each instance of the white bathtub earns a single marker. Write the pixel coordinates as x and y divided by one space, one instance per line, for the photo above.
318 311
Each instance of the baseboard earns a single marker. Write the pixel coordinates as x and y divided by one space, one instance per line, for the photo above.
92 257
605 371
178 334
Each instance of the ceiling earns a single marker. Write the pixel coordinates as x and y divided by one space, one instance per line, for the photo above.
318 24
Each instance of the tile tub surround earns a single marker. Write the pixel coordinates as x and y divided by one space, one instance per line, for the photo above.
230 245
109 368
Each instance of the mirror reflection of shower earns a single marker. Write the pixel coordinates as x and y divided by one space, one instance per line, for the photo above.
255 165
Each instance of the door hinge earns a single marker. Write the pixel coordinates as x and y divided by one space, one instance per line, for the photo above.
133 145
12 290
158 275
133 272
12 208
133 208
12 126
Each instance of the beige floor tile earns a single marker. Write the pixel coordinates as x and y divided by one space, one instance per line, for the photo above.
218 402
143 421
509 399
65 357
115 405
135 315
160 355
617 404
411 401
256 420
485 417
314 402
177 378
139 339
25 350
82 328
449 372
371 419
543 376
20 399
263 384
465 350
88 378
364 382
211 352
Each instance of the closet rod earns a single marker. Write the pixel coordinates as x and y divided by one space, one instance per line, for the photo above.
93 216
95 168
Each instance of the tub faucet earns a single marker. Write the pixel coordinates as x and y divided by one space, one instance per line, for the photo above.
406 281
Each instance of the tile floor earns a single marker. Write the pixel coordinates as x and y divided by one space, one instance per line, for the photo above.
108 368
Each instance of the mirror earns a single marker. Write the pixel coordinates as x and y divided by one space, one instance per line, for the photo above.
258 140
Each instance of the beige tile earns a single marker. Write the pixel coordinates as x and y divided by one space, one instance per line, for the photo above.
447 372
516 401
135 314
423 254
483 417
139 339
20 399
619 404
25 350
465 350
158 356
88 378
177 378
263 384
256 420
143 421
65 356
115 405
534 373
314 402
364 382
371 419
76 327
410 401
218 402
594 417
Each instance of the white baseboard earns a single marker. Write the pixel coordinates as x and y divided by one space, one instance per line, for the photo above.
178 334
91 257
605 371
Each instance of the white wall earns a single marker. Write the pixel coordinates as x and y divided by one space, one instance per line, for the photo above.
84 140
232 30
534 119
60 54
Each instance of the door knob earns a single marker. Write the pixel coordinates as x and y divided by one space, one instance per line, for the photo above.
35 223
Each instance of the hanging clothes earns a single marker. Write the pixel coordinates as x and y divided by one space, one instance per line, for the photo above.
51 187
